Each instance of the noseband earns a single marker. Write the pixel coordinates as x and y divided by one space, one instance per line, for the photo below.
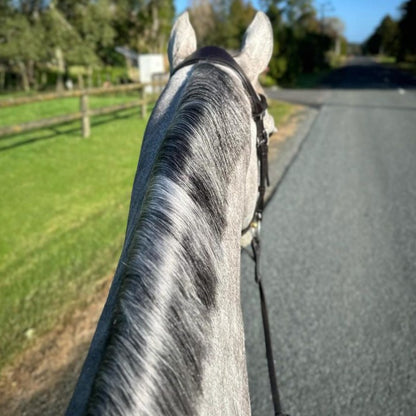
214 55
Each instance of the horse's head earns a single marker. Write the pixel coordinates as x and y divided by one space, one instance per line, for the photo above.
253 58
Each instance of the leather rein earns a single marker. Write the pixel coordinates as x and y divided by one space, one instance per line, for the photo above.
215 55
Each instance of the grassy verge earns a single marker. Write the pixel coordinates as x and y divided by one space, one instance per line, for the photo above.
383 59
391 62
407 66
63 212
52 108
64 205
281 111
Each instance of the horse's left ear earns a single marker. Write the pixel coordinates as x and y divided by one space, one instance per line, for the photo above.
257 47
182 42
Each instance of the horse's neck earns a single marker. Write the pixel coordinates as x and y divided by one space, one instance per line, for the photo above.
225 387
179 323
136 358
223 375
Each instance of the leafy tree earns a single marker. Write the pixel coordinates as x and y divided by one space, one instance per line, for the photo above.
64 44
385 39
223 21
299 44
389 32
5 9
299 13
125 22
157 16
21 45
30 7
92 20
202 15
240 16
407 29
40 34
278 64
143 25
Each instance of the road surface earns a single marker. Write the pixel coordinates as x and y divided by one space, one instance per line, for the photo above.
339 255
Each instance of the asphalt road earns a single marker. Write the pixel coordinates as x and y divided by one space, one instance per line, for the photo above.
339 256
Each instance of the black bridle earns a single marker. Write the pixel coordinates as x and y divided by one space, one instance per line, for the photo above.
214 55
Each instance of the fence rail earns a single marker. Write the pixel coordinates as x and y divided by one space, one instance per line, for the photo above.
85 112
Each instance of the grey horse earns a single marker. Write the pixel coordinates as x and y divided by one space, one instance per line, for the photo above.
170 340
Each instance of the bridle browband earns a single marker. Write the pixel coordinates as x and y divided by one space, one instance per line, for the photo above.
215 55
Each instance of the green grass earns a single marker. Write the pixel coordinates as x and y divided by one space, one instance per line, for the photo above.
383 59
391 62
45 109
407 67
63 211
281 111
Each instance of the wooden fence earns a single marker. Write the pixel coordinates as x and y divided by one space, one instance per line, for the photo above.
85 112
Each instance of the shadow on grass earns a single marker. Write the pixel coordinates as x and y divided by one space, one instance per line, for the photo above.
56 389
12 141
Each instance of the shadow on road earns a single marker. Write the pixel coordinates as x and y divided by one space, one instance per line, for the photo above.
357 75
363 73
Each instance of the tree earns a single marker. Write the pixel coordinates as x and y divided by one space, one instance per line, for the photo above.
143 25
334 28
30 7
5 9
278 64
64 44
201 13
299 13
222 22
385 39
92 20
21 45
389 32
299 44
407 29
240 16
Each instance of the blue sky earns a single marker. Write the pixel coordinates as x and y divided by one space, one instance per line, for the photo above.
360 17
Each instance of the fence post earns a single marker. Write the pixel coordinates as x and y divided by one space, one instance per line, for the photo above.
144 103
85 116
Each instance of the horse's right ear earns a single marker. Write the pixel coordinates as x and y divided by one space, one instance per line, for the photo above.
182 42
257 47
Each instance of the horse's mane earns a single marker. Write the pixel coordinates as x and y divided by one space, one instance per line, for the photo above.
153 361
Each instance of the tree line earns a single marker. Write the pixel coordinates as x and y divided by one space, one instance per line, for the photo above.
303 42
42 40
396 38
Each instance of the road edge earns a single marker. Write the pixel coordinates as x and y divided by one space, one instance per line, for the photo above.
288 150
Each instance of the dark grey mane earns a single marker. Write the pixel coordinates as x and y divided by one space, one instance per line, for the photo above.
154 357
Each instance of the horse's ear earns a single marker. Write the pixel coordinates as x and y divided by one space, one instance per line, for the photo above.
257 47
182 42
